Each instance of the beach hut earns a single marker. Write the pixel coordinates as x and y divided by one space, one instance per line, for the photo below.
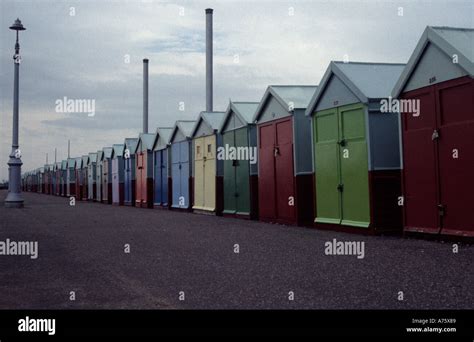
239 139
161 165
92 176
78 178
144 170
107 175
57 179
181 149
63 176
99 173
130 145
71 177
117 174
437 133
46 179
84 177
40 174
356 148
207 170
285 175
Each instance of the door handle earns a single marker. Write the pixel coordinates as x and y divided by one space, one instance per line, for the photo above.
340 187
236 194
342 142
235 162
441 210
435 135
276 151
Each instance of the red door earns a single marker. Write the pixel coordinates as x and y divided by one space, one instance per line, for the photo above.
266 177
276 197
419 164
455 103
438 159
285 198
143 178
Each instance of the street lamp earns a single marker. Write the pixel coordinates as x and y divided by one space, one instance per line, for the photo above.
14 198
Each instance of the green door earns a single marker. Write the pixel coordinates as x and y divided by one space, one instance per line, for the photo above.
327 173
229 176
342 185
242 173
354 166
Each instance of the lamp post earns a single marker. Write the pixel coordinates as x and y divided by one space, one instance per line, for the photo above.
14 198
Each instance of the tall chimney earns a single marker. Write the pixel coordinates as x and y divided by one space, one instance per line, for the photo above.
145 95
209 52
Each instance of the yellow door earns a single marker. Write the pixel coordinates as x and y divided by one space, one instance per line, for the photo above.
198 173
210 173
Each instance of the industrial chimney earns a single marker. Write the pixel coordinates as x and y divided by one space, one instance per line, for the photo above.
145 95
209 59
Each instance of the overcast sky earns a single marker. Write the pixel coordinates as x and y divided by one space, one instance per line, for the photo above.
256 43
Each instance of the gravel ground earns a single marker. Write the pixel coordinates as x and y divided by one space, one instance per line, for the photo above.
81 249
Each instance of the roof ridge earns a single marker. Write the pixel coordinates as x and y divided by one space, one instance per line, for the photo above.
453 28
367 63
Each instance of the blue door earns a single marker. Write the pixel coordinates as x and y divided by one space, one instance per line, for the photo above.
157 176
175 174
184 173
164 177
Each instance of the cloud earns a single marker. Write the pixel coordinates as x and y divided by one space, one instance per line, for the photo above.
97 54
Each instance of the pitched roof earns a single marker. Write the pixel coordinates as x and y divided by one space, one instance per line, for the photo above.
289 96
92 157
71 162
107 152
451 41
100 155
147 140
211 119
184 126
78 162
131 144
85 160
244 110
163 133
118 149
365 80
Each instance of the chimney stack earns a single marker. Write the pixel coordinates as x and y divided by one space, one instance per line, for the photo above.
145 95
209 52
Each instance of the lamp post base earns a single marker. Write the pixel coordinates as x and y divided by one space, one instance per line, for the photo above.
14 200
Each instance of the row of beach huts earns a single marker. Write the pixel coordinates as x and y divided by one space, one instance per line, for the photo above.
376 147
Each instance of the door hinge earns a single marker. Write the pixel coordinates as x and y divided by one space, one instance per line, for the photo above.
441 210
435 135
340 187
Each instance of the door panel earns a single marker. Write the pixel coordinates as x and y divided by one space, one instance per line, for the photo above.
175 173
327 172
157 177
266 178
198 173
354 167
164 177
210 173
456 157
242 184
284 171
229 177
419 164
184 182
